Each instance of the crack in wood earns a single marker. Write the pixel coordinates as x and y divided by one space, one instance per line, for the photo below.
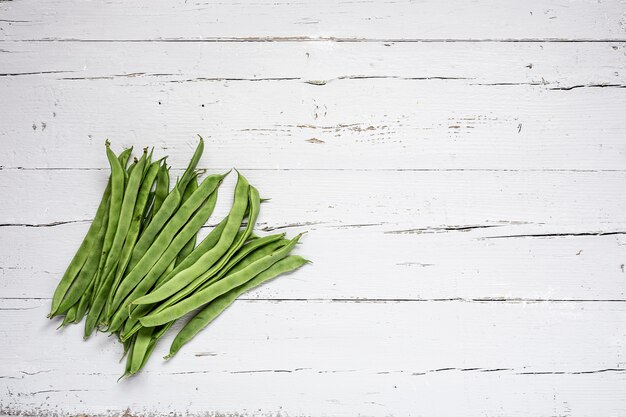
17 74
263 39
565 170
52 224
588 86
551 235
443 229
515 300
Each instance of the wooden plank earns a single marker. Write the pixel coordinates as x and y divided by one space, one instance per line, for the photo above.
367 263
254 20
330 358
401 201
349 124
432 235
553 65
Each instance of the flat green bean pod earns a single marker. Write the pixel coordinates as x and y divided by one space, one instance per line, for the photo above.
191 244
162 187
226 284
83 251
131 325
217 306
220 266
117 193
207 243
250 253
168 256
133 230
83 303
87 273
207 260
168 233
152 230
126 214
189 172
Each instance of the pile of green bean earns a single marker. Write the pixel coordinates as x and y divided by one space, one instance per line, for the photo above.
139 270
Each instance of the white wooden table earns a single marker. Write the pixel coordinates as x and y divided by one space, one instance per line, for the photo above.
460 167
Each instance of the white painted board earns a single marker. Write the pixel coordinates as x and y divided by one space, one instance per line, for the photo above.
459 167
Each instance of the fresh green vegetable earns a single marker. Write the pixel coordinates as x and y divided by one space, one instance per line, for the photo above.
138 269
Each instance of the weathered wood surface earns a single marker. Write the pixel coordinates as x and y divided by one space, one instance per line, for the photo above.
460 168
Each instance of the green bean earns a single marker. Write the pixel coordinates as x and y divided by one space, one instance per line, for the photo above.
191 244
133 230
254 208
83 251
161 243
70 316
83 303
123 158
234 265
189 172
150 233
148 162
147 214
88 271
167 257
250 253
157 333
121 233
162 187
126 214
142 342
206 244
117 193
218 305
138 311
129 347
207 260
220 287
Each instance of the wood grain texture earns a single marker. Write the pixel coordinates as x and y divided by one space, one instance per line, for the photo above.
431 124
374 235
459 168
397 358
262 20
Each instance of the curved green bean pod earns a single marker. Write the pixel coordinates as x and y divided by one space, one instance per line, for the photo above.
117 193
191 244
150 233
130 327
88 272
167 257
250 253
189 172
207 260
123 224
143 309
83 251
162 187
142 343
123 158
207 243
165 238
226 284
70 317
83 303
221 303
133 230
219 267
126 214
